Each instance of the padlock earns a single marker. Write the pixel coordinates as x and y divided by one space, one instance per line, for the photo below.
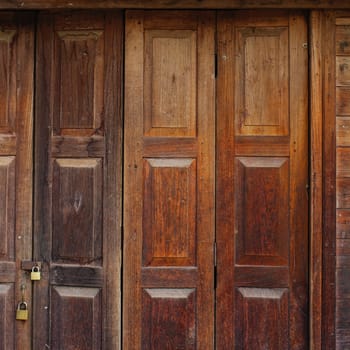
22 311
35 274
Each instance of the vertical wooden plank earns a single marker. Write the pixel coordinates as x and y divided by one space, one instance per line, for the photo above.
329 187
205 219
133 179
316 117
42 183
113 178
24 166
225 148
299 255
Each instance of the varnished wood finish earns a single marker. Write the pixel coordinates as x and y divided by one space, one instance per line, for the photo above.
262 208
340 59
316 146
329 183
78 180
16 122
176 4
169 181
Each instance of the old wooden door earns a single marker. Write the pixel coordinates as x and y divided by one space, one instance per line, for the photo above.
261 181
262 177
78 180
169 181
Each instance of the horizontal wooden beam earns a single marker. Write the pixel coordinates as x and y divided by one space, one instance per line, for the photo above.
173 4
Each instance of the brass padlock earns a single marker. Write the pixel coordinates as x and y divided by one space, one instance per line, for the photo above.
22 311
35 274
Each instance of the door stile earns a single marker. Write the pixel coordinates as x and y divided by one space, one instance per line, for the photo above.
299 168
225 147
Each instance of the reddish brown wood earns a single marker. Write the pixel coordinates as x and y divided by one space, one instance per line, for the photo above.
316 132
262 222
329 176
169 181
78 180
176 4
169 318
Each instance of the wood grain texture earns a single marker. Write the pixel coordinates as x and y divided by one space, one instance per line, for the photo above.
177 4
169 319
265 319
260 198
169 177
7 322
76 318
316 134
17 70
329 176
78 176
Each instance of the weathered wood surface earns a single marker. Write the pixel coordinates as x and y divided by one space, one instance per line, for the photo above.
342 60
16 166
262 174
169 180
78 179
176 4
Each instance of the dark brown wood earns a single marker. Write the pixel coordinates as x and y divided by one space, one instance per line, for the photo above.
329 186
16 165
78 180
177 4
262 206
169 180
340 59
316 132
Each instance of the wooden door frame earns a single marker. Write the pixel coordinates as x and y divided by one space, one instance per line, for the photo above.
322 134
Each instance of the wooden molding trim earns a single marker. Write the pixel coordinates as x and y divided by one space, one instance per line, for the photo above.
176 4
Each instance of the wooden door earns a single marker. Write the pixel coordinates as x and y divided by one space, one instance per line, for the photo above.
169 181
77 220
262 177
16 121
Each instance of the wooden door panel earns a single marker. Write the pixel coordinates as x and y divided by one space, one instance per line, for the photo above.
253 329
16 118
169 181
78 180
262 198
76 318
262 153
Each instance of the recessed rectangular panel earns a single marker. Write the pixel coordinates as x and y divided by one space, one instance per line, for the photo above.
262 207
79 80
261 318
343 101
170 82
169 319
343 193
169 212
76 318
342 40
343 70
262 69
7 326
343 131
7 207
77 210
7 66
